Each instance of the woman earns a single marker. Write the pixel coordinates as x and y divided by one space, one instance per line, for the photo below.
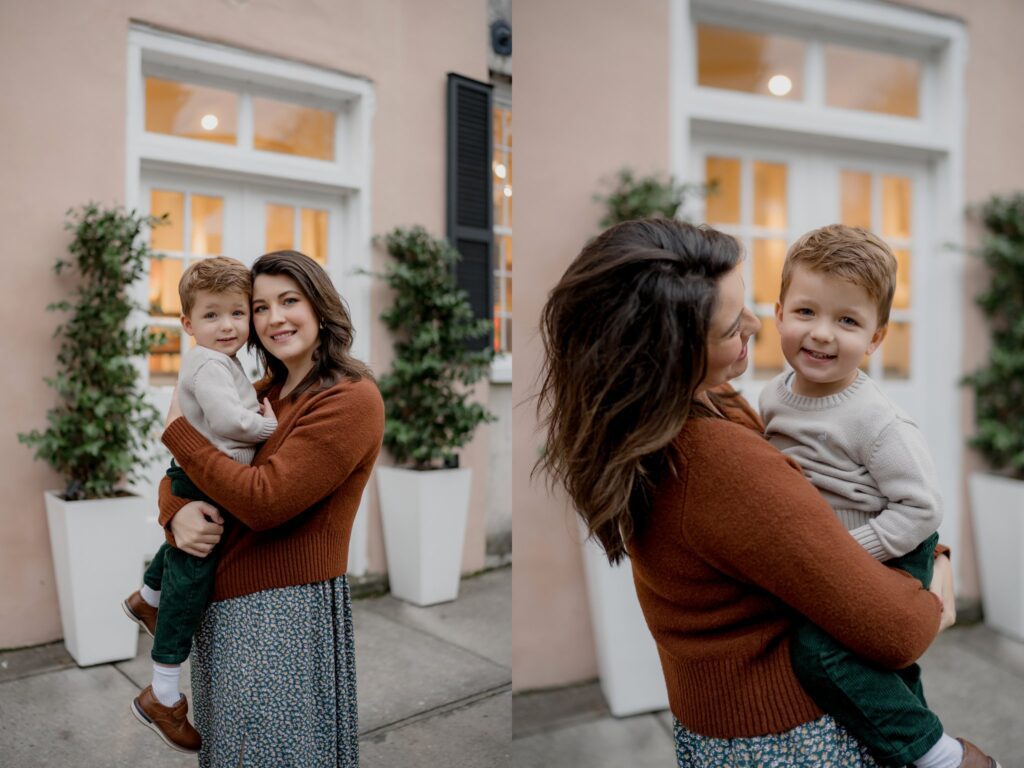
729 543
273 668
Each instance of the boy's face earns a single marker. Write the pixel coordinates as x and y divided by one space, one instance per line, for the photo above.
219 321
827 326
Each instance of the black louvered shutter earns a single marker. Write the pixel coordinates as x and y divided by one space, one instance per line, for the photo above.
470 213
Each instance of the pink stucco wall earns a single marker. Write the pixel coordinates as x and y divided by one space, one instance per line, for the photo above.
591 95
64 82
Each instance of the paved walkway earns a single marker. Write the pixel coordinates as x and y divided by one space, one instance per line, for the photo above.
434 690
973 677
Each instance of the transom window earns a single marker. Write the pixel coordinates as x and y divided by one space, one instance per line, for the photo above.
789 67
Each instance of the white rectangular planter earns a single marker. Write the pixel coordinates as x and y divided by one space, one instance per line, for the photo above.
98 562
424 516
997 504
627 657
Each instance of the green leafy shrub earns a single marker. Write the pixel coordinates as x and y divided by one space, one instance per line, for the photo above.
426 393
999 385
99 433
633 197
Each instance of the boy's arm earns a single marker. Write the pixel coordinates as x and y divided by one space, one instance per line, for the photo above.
213 386
902 468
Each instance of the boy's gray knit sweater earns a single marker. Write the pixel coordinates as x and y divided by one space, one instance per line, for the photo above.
218 399
865 456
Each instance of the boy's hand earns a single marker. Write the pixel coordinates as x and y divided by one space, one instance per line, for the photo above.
266 410
942 585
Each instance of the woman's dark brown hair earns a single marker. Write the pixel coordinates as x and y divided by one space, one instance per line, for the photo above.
332 359
625 342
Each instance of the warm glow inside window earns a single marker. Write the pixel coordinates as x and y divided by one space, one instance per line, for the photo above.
870 81
311 237
293 129
191 111
501 175
751 62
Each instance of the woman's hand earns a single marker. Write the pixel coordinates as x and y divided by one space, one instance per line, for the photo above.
197 527
175 410
942 585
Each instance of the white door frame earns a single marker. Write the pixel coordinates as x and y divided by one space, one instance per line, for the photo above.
937 138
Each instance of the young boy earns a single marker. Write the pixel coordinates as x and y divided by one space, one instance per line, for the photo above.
871 463
217 399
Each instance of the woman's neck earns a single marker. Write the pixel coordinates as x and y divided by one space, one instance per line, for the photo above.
296 373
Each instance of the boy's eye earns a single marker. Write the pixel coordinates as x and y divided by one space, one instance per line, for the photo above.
804 312
209 316
846 320
239 313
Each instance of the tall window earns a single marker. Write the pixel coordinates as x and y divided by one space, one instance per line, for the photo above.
501 167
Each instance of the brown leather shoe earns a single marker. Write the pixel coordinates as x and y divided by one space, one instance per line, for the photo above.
141 612
975 758
170 723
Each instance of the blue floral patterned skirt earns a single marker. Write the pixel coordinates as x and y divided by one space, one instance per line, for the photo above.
821 743
274 679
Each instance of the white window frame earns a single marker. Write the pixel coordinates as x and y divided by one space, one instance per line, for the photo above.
937 136
347 177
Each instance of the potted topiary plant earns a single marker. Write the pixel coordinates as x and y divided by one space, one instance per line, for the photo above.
997 499
98 436
630 670
429 415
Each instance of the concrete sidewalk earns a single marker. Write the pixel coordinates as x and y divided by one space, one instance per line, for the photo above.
973 678
434 690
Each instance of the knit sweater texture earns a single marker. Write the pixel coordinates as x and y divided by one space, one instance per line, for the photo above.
218 399
737 548
290 514
866 457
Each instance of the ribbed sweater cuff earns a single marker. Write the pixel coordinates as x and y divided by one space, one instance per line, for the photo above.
182 439
269 425
867 537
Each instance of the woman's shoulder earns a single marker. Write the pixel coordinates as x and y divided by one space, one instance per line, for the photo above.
347 396
724 447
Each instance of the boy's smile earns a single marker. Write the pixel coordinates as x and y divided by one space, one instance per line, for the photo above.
827 325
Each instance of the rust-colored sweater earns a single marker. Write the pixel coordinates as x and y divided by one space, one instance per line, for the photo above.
736 548
293 508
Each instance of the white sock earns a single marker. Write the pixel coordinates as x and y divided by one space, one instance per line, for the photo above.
947 753
151 596
165 684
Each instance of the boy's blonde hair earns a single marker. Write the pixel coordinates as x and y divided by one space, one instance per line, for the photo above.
849 253
218 274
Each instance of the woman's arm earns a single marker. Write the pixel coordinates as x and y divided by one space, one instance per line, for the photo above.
761 521
339 430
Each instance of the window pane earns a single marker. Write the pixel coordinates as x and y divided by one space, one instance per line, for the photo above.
165 359
768 258
293 130
164 275
901 299
169 236
207 225
896 352
750 62
191 111
770 195
280 234
896 201
875 82
855 194
314 234
768 359
723 201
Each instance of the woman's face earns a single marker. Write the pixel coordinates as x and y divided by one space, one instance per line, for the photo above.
284 320
732 325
